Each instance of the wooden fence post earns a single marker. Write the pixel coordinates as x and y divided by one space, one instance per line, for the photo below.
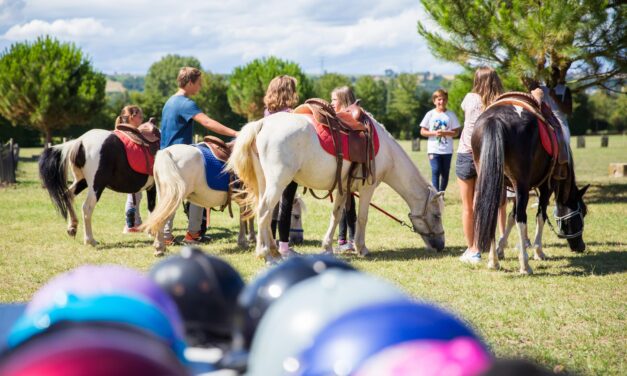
604 141
581 142
415 144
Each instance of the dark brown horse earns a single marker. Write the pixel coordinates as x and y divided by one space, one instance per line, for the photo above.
508 151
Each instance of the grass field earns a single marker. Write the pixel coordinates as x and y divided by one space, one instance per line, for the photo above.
570 314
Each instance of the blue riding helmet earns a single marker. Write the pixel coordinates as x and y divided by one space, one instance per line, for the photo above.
344 344
118 309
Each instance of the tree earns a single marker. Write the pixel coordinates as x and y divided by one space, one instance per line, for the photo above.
248 84
408 105
48 85
160 82
530 38
213 99
324 85
373 95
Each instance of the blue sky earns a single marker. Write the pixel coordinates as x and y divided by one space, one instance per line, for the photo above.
127 36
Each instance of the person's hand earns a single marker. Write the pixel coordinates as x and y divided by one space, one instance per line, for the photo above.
439 133
538 94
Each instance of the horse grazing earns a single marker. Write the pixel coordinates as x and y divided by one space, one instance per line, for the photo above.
97 161
507 145
268 154
179 173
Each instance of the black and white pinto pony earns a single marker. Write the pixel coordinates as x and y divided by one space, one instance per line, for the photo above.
97 161
270 153
507 150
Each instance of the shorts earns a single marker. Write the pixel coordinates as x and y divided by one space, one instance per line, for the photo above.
465 166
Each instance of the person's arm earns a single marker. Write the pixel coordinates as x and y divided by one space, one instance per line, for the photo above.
214 126
424 132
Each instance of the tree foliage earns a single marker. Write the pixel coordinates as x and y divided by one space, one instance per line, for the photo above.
213 100
373 95
325 84
530 38
160 82
48 85
407 106
248 84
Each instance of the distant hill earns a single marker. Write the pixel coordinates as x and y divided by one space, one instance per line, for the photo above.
129 81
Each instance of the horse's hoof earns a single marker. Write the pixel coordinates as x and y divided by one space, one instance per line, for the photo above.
527 271
501 255
91 242
158 253
242 245
71 232
363 252
541 257
493 266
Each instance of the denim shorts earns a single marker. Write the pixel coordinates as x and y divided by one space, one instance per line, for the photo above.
465 166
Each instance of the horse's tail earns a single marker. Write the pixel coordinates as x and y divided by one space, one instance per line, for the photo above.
489 187
53 172
170 191
244 162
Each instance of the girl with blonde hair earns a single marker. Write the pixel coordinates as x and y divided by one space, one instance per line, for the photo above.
281 96
133 116
486 87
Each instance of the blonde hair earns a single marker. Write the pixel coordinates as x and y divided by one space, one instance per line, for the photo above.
187 75
127 113
487 84
345 96
281 93
439 93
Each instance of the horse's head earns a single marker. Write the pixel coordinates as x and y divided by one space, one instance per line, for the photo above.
570 219
296 227
428 222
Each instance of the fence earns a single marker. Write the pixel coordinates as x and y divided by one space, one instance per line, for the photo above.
9 156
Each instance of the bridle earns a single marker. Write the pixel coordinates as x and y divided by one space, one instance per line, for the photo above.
422 217
563 220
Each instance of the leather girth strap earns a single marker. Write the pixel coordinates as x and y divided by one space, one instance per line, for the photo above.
357 125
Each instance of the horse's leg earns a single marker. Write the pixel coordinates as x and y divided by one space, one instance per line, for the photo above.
540 218
522 197
251 230
88 209
336 214
266 246
72 223
159 243
151 198
365 195
500 250
242 241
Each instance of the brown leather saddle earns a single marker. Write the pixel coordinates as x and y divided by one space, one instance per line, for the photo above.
545 115
220 149
147 134
354 123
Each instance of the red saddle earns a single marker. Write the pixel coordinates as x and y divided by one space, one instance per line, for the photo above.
141 145
326 140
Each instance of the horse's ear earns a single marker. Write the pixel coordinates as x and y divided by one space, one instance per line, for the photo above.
583 190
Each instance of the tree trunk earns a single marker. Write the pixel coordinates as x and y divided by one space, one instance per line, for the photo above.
48 136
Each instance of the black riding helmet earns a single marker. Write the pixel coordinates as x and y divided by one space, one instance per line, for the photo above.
205 289
270 286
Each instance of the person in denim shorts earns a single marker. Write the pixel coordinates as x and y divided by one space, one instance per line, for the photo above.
486 87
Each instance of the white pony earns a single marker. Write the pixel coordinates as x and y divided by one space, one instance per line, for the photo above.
179 173
273 151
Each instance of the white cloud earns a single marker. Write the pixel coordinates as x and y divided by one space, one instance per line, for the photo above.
75 28
351 36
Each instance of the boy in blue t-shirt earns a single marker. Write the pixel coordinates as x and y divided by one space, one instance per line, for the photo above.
177 119
440 125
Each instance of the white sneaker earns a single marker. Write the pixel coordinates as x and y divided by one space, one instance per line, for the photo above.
289 254
468 257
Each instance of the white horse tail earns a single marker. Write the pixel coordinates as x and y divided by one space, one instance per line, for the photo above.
170 191
53 172
244 161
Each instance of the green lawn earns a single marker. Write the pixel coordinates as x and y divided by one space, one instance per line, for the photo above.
570 312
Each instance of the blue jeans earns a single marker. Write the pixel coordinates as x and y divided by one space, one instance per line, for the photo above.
440 167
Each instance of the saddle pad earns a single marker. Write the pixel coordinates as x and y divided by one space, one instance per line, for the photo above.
326 139
548 139
217 179
139 157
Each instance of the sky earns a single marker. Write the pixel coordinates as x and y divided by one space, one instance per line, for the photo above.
127 36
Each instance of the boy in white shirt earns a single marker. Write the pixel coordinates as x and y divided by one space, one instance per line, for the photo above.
440 125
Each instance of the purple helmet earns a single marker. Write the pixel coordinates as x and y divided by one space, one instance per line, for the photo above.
90 280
